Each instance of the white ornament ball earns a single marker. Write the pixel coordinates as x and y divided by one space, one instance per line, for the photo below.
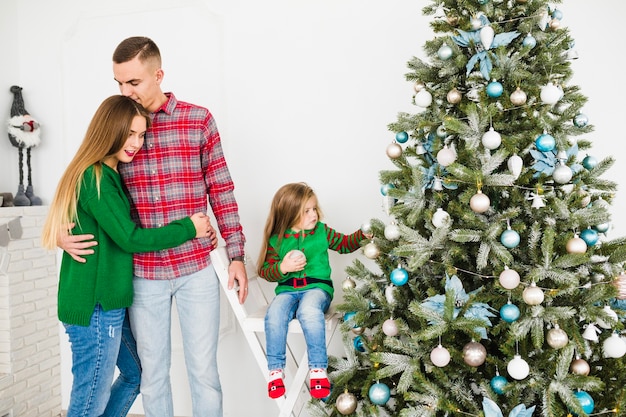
533 295
446 156
366 227
479 203
515 164
346 403
394 150
518 368
423 98
557 338
371 250
562 174
550 94
611 314
518 97
445 52
486 36
348 284
392 231
389 294
440 356
491 139
576 245
614 346
390 327
440 218
297 254
509 278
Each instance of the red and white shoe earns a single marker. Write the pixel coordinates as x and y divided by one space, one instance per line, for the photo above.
319 383
276 385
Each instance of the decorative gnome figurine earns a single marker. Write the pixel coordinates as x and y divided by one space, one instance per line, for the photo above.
23 134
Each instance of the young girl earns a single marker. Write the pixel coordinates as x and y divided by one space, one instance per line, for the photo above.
295 255
93 295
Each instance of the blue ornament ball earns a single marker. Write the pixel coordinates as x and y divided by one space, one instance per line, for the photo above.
494 89
510 238
529 41
445 52
509 312
498 383
379 393
545 142
358 344
602 228
585 400
590 162
580 120
590 236
384 189
399 276
557 14
402 137
483 1
348 316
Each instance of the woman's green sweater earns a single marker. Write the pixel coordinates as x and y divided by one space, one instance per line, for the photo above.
106 277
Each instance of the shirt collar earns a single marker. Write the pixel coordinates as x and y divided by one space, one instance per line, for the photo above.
169 106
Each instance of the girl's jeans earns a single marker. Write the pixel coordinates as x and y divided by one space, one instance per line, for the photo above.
308 307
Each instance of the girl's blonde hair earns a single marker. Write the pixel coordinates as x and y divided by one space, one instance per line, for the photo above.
286 211
106 135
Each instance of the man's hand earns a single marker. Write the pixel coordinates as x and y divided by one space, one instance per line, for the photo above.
237 272
76 246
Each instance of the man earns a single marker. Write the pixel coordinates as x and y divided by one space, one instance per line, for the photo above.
180 164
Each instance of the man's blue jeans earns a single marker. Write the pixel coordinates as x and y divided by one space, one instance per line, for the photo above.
308 307
95 350
126 387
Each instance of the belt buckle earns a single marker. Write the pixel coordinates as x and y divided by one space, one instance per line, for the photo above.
299 282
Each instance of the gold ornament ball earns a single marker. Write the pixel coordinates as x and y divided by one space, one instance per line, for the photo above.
620 284
454 96
394 150
371 250
348 283
346 403
479 203
555 24
533 295
576 245
474 354
453 20
518 97
418 86
557 338
580 367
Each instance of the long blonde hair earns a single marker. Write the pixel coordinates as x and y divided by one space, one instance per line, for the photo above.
286 211
106 135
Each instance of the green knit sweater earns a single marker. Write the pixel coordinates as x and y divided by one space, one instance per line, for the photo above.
106 277
315 244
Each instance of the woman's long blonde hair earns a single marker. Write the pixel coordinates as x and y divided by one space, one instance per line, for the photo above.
106 135
286 210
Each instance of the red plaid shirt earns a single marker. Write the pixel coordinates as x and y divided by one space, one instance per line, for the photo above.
181 162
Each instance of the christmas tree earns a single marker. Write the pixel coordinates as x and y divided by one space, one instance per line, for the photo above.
496 288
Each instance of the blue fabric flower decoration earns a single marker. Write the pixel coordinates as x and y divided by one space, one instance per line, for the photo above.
545 162
491 409
481 56
454 286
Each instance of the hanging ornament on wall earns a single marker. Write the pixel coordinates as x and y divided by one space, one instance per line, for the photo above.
392 231
533 295
491 139
379 393
576 245
440 356
518 97
515 165
557 338
399 276
390 327
518 368
509 278
446 156
440 218
579 367
346 403
529 41
614 346
423 98
454 96
474 354
444 52
545 142
550 94
394 150
509 312
494 89
479 203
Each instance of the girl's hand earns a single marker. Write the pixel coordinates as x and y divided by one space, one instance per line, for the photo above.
202 224
292 262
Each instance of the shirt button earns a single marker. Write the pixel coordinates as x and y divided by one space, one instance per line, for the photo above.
159 225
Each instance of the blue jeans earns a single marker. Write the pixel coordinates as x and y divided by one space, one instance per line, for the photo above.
308 307
126 387
198 303
94 353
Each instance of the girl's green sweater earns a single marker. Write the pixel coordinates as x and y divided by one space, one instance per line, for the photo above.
106 277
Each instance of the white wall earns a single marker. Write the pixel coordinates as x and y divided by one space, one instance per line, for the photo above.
302 90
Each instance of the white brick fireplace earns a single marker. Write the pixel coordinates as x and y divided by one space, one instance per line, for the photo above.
30 363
